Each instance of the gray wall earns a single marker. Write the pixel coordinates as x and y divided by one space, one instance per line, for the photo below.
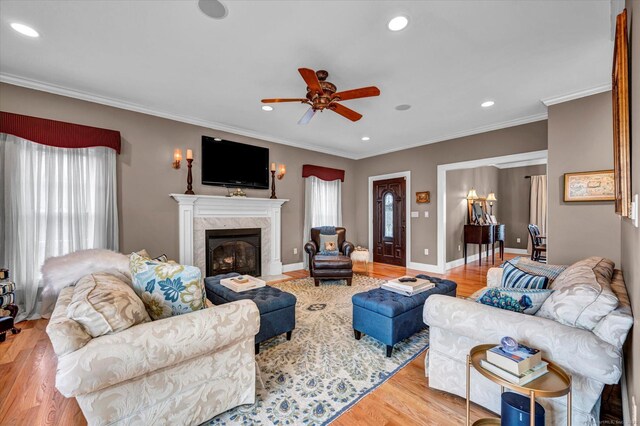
422 161
630 241
580 140
459 182
148 216
513 198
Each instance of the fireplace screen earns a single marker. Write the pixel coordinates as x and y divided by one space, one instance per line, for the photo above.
233 250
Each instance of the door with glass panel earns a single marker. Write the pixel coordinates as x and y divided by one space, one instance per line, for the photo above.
389 221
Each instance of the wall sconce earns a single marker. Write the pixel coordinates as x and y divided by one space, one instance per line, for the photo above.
282 170
491 198
177 157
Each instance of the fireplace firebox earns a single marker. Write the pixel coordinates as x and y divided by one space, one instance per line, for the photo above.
233 250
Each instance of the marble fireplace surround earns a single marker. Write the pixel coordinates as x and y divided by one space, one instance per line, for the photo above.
198 213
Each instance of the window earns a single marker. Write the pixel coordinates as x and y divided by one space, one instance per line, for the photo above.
388 215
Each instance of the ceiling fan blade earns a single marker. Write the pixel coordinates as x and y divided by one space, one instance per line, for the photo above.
345 112
270 101
307 116
311 79
363 92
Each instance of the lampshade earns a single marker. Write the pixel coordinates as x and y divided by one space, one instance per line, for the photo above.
491 197
473 195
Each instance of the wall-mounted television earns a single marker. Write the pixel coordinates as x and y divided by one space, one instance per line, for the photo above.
234 164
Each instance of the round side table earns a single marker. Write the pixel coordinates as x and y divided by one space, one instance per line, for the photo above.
555 383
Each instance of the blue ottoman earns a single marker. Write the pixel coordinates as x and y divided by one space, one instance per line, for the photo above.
277 308
390 317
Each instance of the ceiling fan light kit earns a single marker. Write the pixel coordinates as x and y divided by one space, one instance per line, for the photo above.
322 94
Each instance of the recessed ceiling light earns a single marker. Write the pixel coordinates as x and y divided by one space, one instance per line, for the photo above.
403 107
398 23
365 138
487 104
24 30
217 139
267 108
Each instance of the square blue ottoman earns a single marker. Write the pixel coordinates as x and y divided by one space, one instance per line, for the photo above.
277 308
390 317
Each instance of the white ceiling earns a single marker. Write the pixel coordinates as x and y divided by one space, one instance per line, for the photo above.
167 58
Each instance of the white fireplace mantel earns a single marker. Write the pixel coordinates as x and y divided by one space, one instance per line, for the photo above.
215 206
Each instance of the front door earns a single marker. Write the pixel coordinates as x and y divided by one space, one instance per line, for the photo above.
389 221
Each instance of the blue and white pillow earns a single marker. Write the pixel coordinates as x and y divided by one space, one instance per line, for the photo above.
525 301
514 277
166 288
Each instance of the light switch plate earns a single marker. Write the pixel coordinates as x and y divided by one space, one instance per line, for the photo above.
517 240
426 252
295 250
634 210
426 214
415 214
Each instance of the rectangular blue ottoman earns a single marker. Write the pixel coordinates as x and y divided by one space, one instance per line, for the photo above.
390 317
277 308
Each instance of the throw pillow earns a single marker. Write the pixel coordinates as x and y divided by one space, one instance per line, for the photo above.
583 294
167 288
514 277
536 268
328 242
104 304
525 301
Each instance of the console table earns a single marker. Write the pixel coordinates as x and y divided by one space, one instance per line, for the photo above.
484 234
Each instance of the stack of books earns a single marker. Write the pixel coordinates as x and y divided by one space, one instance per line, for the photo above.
242 283
408 288
519 367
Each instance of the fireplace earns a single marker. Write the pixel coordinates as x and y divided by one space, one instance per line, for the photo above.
233 250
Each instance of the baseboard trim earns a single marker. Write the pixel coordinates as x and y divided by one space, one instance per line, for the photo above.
425 267
472 258
292 267
515 251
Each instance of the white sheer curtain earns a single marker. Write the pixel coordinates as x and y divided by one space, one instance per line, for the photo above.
322 206
53 201
538 205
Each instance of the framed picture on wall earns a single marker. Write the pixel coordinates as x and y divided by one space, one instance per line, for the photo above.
423 197
589 186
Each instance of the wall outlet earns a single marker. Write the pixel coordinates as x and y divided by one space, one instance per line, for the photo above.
426 214
295 250
426 252
459 249
415 214
517 240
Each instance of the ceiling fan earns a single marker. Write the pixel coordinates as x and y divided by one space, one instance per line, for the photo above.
322 95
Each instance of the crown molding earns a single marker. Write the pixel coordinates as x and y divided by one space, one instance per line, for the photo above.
116 103
468 132
524 163
576 95
103 100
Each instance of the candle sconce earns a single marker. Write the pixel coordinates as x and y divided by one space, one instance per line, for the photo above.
281 170
177 158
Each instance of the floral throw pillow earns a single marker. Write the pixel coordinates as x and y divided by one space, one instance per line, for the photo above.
524 301
166 288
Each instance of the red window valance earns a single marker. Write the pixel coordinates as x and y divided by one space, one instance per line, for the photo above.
57 133
324 173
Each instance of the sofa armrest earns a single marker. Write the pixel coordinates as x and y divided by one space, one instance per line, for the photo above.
347 248
139 350
311 248
494 277
578 351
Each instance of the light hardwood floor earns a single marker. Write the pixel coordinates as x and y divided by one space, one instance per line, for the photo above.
28 364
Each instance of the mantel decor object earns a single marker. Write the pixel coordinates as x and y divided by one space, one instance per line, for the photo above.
189 176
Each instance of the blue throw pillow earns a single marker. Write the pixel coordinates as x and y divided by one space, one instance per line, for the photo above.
525 301
166 288
514 277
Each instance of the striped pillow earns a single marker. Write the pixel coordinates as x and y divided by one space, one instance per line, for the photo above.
513 277
536 268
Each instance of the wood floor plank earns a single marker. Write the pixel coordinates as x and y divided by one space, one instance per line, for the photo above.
28 363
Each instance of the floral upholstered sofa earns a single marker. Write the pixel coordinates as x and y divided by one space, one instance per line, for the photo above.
180 370
581 326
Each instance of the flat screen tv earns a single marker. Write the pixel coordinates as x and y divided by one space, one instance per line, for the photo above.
233 164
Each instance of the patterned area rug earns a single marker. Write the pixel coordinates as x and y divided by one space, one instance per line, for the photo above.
323 370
